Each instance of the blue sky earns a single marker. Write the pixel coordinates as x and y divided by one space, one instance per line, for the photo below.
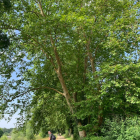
4 123
11 124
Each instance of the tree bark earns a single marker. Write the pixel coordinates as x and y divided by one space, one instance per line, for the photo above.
92 61
85 68
70 131
64 87
41 10
60 76
82 133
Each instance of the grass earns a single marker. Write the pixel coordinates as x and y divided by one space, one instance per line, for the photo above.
46 138
67 138
39 138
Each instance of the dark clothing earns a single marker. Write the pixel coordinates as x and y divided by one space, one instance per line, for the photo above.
52 137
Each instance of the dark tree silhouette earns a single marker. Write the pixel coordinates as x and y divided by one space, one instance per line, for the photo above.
5 5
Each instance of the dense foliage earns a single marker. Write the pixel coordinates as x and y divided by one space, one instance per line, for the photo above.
76 63
4 137
120 128
18 135
7 131
1 132
26 134
5 6
29 132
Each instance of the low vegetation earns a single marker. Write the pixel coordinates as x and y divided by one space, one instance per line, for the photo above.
4 137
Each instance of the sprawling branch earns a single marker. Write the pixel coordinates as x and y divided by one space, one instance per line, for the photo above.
31 89
17 96
41 9
34 13
47 88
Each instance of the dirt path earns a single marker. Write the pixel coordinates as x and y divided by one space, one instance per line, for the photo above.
44 139
60 138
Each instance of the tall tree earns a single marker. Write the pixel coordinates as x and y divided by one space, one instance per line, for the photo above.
84 51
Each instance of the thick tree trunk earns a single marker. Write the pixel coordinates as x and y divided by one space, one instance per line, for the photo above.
65 90
92 61
70 132
100 117
64 87
82 133
60 76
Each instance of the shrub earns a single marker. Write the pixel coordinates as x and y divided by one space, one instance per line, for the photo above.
66 133
4 137
1 132
17 135
119 129
29 132
21 136
14 134
93 138
42 134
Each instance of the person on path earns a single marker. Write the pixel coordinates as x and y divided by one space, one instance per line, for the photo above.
51 136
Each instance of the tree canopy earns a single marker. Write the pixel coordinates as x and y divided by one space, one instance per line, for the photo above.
71 57
5 6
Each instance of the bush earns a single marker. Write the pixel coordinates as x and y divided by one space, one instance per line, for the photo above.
1 132
66 133
17 135
119 129
29 132
14 134
93 138
21 136
4 137
42 134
